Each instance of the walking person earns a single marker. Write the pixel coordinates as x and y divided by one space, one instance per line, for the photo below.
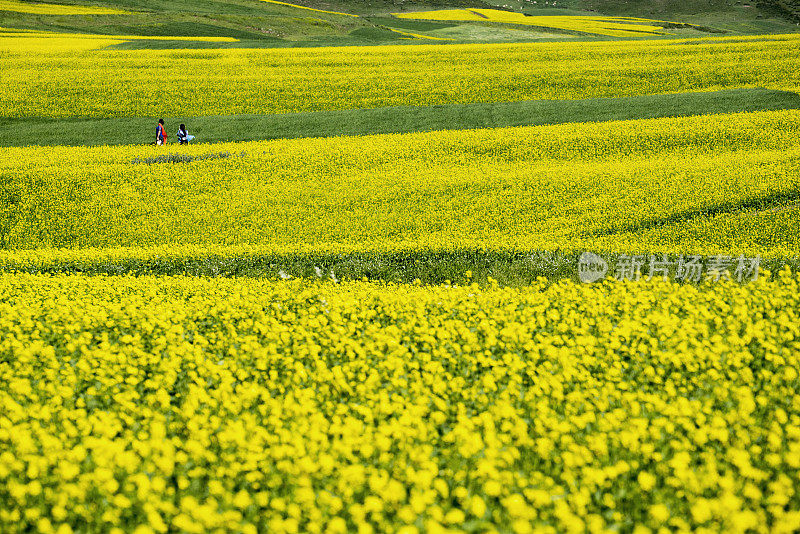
161 133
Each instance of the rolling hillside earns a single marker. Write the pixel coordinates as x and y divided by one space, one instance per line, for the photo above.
259 23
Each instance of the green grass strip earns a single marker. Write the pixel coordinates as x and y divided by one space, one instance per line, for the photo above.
401 119
510 268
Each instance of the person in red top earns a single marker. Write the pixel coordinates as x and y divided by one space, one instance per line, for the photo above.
161 133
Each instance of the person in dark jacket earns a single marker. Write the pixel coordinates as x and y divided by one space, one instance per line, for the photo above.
183 135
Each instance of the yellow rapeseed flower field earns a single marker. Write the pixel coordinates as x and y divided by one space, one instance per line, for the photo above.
117 83
44 42
610 26
238 402
184 404
42 8
690 184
